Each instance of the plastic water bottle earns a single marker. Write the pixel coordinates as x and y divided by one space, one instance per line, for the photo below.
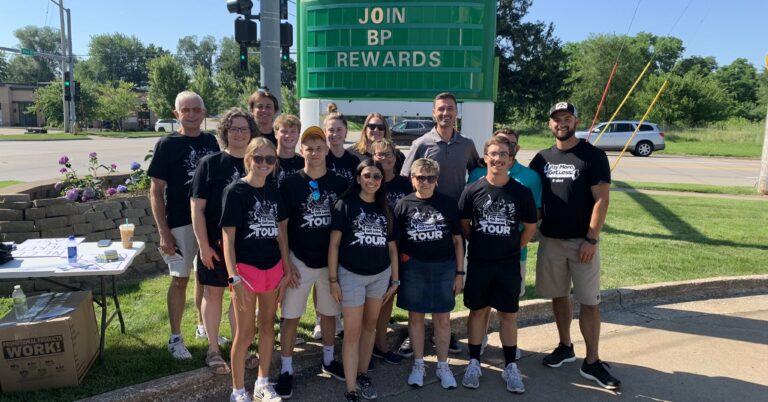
19 303
72 250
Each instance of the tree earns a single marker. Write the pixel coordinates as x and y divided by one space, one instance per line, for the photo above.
290 101
288 73
192 53
48 100
762 93
3 68
229 60
700 65
117 57
228 90
690 100
203 84
116 101
531 72
739 79
166 79
30 70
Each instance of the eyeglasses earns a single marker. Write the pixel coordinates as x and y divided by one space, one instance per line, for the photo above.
374 176
239 130
500 155
379 127
383 155
186 110
315 189
428 179
269 160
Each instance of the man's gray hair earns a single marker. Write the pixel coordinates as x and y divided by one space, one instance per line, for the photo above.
187 94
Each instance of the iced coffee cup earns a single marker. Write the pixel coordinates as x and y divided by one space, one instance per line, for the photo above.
126 234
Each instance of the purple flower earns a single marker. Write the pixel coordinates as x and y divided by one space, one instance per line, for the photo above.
92 155
122 189
135 165
72 194
58 186
63 160
63 170
111 191
89 193
113 166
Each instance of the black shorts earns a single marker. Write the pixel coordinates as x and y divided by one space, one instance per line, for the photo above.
218 276
495 284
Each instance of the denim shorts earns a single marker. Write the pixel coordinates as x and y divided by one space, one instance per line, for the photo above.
356 288
426 287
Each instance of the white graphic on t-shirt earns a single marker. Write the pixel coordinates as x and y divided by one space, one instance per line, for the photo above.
317 214
393 198
235 176
262 220
343 173
497 217
425 225
369 229
193 158
557 173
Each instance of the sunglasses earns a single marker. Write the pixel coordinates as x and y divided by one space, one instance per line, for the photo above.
428 179
374 176
269 160
384 155
379 127
239 130
315 189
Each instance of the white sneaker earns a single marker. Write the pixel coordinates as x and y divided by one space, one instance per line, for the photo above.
178 350
200 333
447 380
266 394
317 334
339 325
472 375
416 379
484 344
240 397
511 375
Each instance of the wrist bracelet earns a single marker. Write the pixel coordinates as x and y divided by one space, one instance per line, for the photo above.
234 280
460 273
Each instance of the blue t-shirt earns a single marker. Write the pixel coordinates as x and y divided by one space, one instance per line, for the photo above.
522 175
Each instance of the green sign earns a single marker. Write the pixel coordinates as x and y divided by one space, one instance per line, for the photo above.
28 52
390 49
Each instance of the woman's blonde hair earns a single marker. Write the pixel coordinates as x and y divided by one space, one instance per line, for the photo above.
383 143
362 145
255 144
334 114
425 165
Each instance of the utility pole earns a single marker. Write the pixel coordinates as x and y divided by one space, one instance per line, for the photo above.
72 108
64 64
762 181
270 47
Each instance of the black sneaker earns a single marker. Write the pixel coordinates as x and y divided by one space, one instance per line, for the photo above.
405 349
453 345
598 373
388 356
335 370
365 386
351 397
561 354
284 386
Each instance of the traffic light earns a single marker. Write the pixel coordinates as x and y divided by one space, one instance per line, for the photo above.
286 40
283 9
243 57
245 32
284 54
243 7
77 91
67 85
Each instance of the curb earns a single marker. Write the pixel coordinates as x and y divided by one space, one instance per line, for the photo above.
201 384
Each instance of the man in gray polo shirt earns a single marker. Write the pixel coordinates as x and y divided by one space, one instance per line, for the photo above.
455 153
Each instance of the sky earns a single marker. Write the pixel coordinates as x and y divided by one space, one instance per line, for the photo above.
724 29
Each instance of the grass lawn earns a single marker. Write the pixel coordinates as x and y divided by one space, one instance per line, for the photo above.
684 187
6 183
125 134
42 137
646 239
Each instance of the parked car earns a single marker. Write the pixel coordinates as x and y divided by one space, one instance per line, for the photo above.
649 137
166 125
412 127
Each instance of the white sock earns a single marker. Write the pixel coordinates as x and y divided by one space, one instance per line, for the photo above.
174 338
442 364
200 328
238 391
328 354
287 365
418 361
262 382
317 319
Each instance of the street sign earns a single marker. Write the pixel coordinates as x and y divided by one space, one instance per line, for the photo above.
395 49
28 52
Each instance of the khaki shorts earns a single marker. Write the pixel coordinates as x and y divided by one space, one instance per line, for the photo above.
295 299
558 265
187 244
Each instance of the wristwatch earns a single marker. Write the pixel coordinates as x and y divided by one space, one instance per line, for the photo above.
394 283
233 280
460 273
590 240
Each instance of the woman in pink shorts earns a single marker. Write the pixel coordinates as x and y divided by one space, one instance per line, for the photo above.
254 226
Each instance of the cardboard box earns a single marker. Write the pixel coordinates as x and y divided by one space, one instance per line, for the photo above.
55 347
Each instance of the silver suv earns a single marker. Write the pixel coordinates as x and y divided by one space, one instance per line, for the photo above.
649 137
412 127
166 125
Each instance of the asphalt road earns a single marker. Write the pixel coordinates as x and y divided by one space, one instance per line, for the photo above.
38 160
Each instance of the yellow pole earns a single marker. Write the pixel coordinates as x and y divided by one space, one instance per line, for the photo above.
637 81
645 116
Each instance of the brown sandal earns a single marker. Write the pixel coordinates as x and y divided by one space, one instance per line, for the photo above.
216 363
252 361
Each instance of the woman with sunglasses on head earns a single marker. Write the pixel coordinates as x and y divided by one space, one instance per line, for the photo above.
374 128
339 160
397 186
432 259
254 229
363 270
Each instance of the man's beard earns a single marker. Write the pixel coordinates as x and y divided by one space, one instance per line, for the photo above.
566 136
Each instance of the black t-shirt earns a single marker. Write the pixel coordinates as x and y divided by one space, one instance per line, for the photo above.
567 177
271 137
345 166
426 227
363 225
397 188
496 213
174 160
309 220
214 173
288 167
255 214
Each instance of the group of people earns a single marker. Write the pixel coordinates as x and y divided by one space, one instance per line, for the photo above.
362 227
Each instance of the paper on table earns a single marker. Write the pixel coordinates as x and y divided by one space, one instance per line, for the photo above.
43 248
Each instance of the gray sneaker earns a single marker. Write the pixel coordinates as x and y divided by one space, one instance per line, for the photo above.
472 375
511 375
364 385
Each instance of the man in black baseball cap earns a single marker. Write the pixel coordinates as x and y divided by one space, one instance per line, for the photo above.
568 107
